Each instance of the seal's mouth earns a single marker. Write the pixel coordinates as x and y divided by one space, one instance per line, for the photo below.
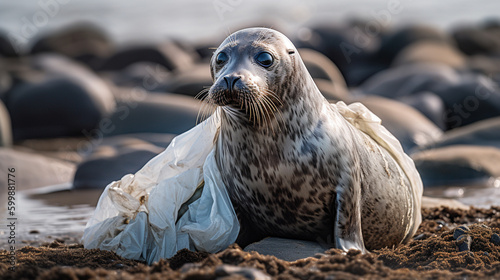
227 98
245 103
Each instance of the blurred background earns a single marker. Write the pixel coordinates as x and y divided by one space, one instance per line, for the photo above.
91 90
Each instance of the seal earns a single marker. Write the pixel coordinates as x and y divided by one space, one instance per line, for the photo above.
294 167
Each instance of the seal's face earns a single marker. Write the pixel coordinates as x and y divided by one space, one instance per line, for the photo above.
248 69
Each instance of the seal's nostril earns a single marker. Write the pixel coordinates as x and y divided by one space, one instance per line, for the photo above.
231 81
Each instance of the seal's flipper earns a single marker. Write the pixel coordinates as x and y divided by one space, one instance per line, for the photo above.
347 228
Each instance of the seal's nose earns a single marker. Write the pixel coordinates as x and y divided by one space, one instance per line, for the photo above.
231 81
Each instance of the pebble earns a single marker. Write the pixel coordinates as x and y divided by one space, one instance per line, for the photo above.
421 236
287 249
463 242
225 270
459 231
495 239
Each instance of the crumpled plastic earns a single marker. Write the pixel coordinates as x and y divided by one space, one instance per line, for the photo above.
139 216
367 122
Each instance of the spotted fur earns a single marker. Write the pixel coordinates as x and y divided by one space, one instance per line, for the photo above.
297 168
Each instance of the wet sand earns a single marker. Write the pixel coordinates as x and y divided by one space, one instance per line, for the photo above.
432 254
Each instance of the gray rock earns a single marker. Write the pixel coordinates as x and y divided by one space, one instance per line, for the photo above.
223 271
429 202
33 170
151 113
117 156
495 239
482 133
457 165
459 231
463 242
5 127
407 124
286 249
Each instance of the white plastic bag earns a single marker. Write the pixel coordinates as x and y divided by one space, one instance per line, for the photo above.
137 216
367 122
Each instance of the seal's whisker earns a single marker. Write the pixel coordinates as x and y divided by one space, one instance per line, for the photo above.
206 109
259 110
267 113
273 110
270 103
274 95
202 94
280 119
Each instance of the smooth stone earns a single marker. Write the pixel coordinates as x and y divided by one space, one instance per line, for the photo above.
488 65
464 242
409 79
145 75
60 66
474 40
495 239
481 133
431 202
467 97
345 45
33 170
473 98
457 165
5 127
430 52
332 92
151 113
171 55
408 125
238 272
65 149
76 98
394 42
72 109
189 82
83 42
321 67
286 249
117 156
429 104
459 231
6 47
6 81
326 75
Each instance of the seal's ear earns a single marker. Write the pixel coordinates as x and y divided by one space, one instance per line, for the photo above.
291 51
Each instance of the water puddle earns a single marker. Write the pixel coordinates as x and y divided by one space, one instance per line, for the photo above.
47 214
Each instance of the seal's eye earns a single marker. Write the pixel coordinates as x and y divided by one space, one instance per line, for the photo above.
221 58
265 59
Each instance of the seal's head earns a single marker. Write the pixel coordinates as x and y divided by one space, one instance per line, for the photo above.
249 70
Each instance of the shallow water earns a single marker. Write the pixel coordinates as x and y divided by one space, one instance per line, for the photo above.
44 215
